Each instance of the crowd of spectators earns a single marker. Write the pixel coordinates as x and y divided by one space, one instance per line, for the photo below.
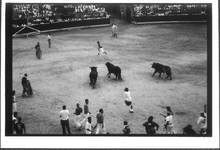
35 14
168 10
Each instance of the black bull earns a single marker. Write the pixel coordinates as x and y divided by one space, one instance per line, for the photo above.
162 69
93 76
114 69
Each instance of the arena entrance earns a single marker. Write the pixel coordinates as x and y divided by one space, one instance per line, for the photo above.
113 10
119 11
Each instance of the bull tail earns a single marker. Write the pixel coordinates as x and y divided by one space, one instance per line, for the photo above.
169 73
119 76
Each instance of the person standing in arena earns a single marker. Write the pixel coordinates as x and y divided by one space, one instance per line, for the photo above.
49 40
100 128
78 117
88 126
20 127
64 120
126 130
151 126
24 85
169 123
202 122
114 30
128 99
86 107
14 121
38 50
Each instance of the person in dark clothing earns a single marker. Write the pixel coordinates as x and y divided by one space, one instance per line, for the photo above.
151 126
38 50
78 109
27 89
14 121
188 130
20 127
126 130
24 85
169 110
100 127
86 107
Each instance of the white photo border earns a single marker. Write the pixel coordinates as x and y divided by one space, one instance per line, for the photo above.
118 142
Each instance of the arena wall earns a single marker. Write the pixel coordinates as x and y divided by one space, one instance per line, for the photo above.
64 25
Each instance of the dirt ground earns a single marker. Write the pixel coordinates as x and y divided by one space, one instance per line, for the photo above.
62 76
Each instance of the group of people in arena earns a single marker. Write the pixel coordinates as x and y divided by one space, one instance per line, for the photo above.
82 120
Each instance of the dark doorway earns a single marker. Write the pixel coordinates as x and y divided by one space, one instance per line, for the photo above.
113 10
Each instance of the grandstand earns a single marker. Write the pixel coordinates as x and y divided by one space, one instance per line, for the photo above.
44 17
56 16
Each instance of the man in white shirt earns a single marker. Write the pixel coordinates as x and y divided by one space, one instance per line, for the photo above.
128 99
169 123
114 30
64 120
88 126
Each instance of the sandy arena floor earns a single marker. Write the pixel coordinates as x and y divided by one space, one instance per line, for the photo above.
62 75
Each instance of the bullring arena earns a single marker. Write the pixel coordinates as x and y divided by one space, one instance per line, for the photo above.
61 77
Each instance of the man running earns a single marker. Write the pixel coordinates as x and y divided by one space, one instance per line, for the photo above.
100 49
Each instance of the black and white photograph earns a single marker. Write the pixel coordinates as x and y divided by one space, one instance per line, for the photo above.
107 70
